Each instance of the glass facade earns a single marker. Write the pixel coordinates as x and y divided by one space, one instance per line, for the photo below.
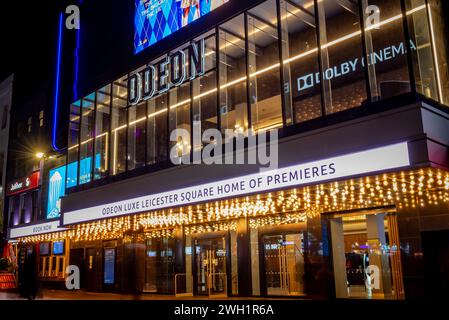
86 137
281 63
119 120
102 123
366 256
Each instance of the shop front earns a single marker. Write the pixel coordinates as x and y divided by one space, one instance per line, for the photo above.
281 233
339 239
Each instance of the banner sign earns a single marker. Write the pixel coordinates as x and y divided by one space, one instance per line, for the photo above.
370 161
7 281
36 229
23 184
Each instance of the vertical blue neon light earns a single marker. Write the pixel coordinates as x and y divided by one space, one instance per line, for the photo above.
75 81
58 71
77 48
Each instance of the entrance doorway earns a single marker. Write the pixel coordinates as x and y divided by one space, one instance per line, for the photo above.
366 255
283 264
159 265
209 272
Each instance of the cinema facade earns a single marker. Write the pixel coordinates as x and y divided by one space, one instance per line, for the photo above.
359 204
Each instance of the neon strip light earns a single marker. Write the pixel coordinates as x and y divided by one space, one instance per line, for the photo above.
75 81
58 74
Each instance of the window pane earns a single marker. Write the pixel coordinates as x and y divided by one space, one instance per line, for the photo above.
300 63
86 145
157 129
204 91
421 48
118 125
366 259
102 122
341 50
386 50
209 52
73 144
180 116
136 135
264 68
233 98
204 105
439 26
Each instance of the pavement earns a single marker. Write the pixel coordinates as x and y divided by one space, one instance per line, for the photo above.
52 294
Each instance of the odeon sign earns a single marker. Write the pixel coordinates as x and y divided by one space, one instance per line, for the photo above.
169 72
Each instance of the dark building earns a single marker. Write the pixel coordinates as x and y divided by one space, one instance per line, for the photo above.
356 204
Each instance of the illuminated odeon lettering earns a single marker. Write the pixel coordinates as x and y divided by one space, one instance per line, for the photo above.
170 72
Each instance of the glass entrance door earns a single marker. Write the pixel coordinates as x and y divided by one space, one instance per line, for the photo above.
284 264
159 265
366 255
210 266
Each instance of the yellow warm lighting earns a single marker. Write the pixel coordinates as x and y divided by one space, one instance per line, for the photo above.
407 190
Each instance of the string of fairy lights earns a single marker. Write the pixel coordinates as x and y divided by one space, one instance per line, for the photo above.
406 190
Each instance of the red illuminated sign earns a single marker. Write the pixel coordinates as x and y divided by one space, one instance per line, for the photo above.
23 184
7 281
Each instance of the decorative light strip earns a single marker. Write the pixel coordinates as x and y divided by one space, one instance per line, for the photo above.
406 190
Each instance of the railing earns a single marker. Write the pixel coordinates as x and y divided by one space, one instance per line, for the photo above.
186 277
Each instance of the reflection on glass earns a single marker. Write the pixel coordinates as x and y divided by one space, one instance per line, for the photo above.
159 265
263 62
119 125
300 57
73 144
180 105
342 70
366 256
137 116
210 266
284 264
205 106
210 56
87 130
421 48
386 50
438 27
233 101
157 129
102 121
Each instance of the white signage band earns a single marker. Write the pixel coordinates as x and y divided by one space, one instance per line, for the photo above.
36 229
373 160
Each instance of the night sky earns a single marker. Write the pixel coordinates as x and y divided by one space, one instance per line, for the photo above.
27 45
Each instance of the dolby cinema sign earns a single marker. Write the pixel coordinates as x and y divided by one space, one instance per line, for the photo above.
171 71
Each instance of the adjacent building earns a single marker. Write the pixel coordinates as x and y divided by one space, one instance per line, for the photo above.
6 88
